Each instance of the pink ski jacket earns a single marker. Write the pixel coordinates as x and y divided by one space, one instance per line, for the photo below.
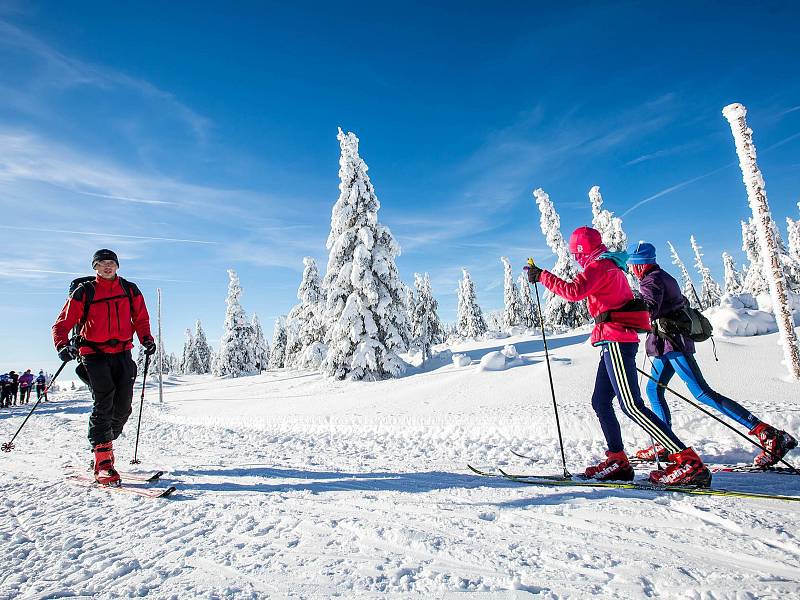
604 286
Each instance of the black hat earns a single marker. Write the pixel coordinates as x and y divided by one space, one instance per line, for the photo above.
104 254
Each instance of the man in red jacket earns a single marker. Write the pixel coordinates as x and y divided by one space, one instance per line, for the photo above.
116 310
604 286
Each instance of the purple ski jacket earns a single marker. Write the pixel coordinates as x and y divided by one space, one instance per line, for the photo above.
663 295
25 380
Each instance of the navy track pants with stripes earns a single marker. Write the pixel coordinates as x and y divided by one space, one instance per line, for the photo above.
616 376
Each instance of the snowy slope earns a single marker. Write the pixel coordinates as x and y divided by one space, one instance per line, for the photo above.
294 485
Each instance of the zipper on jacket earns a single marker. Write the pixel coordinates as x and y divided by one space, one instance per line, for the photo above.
116 306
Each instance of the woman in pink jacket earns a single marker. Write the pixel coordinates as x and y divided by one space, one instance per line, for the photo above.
608 296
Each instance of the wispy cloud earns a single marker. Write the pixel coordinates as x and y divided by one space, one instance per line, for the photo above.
675 188
107 235
677 149
63 71
785 140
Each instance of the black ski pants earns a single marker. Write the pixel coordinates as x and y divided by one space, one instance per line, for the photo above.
111 378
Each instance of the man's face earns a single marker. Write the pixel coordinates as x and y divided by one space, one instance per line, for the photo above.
106 269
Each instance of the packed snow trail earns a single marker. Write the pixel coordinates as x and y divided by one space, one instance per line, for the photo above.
292 485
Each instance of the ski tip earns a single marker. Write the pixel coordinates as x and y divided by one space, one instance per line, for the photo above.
168 492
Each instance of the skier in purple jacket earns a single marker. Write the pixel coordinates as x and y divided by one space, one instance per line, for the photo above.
676 355
25 385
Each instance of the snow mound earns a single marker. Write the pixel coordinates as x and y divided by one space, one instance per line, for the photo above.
461 360
743 314
493 361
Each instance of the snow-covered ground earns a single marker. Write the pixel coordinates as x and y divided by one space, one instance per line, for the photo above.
291 485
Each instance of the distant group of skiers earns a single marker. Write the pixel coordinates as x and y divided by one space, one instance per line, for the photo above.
619 317
15 388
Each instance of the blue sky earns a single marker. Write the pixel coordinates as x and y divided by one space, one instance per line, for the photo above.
207 135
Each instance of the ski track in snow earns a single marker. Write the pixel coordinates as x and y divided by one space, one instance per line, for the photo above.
290 485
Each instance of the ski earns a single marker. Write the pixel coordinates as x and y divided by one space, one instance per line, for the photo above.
502 475
143 476
648 487
146 492
724 468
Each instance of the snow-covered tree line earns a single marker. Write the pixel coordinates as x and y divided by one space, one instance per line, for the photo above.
356 322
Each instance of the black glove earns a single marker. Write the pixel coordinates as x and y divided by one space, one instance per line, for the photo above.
67 353
149 346
534 272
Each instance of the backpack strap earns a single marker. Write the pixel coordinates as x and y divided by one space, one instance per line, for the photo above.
84 292
634 314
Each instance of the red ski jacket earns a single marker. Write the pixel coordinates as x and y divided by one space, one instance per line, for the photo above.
605 287
109 319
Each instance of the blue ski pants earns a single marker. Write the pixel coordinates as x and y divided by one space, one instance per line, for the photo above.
616 376
664 367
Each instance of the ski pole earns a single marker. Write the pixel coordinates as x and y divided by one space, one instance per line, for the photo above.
567 474
9 446
716 418
135 460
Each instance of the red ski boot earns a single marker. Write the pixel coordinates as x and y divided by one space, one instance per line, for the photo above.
614 468
776 444
687 469
104 472
652 452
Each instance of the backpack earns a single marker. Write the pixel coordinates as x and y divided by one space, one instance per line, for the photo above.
686 321
86 285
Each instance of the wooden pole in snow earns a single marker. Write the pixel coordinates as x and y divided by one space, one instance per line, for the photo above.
757 195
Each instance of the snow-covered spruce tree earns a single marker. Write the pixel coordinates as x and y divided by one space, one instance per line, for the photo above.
765 228
187 366
365 312
733 279
202 351
754 281
277 354
304 323
235 357
687 286
512 313
469 319
609 226
260 346
530 312
426 328
173 363
411 302
559 313
494 320
710 291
